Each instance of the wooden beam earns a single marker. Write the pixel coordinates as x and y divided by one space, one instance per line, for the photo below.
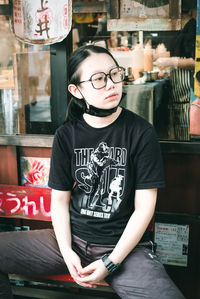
174 9
87 7
8 165
135 24
114 9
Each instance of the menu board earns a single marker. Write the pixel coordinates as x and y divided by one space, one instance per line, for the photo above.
145 15
144 9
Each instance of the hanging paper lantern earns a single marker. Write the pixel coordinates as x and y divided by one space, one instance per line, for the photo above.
41 21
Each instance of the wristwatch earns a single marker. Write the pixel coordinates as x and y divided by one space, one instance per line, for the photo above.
110 266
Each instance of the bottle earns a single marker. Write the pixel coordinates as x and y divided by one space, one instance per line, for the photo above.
138 61
161 51
148 58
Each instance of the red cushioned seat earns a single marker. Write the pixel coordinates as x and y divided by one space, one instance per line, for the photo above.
66 277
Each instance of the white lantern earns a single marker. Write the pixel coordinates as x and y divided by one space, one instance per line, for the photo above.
41 21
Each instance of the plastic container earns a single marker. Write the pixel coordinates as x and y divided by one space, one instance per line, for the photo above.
161 51
124 58
148 58
138 61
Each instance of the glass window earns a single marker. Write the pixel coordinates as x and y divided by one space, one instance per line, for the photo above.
25 85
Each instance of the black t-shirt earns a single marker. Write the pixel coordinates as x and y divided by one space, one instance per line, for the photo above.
103 167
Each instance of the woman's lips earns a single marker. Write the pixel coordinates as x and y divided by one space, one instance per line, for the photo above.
112 96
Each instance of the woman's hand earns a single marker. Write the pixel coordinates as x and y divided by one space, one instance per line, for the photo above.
74 266
73 263
164 62
93 273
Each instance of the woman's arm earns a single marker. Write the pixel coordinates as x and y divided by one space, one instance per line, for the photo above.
175 62
145 201
186 63
61 220
61 223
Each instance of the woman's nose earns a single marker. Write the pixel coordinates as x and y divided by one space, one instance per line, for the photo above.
109 81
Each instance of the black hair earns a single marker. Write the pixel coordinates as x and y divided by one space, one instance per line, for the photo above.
77 106
185 43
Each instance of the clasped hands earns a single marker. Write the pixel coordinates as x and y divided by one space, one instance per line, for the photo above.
88 276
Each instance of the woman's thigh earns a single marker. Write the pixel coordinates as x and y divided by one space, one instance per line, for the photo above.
30 252
142 276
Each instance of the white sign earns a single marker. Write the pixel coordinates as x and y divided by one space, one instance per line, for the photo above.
172 243
130 8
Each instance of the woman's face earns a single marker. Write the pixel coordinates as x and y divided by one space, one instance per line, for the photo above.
107 97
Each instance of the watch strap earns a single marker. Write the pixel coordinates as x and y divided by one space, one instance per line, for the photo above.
110 266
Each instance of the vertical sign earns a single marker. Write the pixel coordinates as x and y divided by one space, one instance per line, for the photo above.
197 54
195 102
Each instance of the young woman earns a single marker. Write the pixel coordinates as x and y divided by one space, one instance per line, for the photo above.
105 170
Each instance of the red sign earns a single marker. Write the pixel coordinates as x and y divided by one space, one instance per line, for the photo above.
25 202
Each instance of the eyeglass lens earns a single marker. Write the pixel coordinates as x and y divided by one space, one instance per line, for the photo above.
99 80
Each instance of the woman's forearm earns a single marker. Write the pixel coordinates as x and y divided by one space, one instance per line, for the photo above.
175 62
145 201
186 63
61 219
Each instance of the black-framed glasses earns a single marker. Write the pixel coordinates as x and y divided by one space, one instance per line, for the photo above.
99 80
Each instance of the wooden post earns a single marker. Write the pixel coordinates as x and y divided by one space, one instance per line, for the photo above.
23 82
114 9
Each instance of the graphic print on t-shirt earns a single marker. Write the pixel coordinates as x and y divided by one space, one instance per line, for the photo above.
100 173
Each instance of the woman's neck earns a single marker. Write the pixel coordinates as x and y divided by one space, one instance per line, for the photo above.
100 122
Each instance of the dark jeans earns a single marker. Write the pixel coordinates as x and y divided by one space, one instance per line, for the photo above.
36 253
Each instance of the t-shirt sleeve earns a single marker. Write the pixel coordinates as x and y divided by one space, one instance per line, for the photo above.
60 177
148 162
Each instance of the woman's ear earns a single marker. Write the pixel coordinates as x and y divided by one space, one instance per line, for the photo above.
73 89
